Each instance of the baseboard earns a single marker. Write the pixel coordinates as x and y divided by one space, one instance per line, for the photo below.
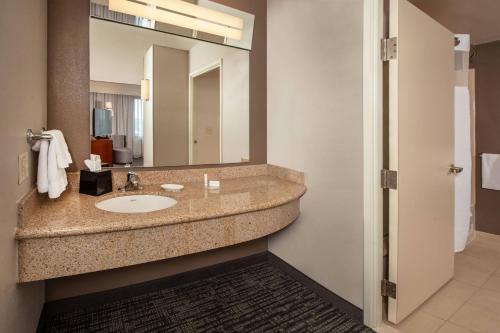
328 296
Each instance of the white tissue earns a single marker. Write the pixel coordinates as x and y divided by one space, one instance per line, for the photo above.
90 165
94 164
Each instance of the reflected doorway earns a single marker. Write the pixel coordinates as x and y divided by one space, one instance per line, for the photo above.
205 116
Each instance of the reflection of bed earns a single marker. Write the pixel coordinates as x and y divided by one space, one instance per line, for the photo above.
121 154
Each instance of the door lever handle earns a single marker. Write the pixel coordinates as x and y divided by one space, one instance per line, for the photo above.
455 169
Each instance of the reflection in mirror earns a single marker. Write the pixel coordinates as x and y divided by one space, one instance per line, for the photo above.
158 99
199 19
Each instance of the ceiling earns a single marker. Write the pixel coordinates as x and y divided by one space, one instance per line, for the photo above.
479 18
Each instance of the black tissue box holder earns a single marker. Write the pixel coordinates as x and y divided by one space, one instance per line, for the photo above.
95 183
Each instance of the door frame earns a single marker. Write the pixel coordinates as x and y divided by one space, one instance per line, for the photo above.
373 18
192 76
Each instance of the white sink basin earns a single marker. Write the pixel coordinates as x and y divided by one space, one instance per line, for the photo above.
136 204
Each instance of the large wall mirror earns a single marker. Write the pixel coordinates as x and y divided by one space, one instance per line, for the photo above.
165 98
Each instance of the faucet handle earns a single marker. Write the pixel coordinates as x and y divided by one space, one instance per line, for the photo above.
131 176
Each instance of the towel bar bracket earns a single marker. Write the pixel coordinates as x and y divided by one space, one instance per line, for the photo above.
30 136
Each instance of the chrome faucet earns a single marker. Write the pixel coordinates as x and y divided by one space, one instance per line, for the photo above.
132 183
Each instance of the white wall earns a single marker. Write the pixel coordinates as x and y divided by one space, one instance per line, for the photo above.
23 71
235 95
314 116
117 50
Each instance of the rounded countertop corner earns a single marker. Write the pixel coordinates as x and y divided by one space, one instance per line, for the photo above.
77 214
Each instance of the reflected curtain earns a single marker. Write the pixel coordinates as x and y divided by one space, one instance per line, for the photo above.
123 120
138 128
103 11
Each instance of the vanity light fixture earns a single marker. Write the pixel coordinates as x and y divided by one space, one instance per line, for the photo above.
145 90
183 14
190 9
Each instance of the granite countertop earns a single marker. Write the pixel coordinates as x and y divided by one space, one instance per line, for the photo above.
76 214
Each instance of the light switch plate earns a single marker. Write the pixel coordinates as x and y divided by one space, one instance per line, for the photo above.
22 167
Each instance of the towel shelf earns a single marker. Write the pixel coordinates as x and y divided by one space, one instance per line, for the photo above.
30 136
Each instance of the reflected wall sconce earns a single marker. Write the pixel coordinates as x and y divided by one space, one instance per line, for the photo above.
109 106
145 90
183 14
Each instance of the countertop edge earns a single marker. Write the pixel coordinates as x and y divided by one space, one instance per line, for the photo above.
23 235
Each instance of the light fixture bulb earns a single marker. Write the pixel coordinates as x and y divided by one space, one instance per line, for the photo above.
145 90
184 15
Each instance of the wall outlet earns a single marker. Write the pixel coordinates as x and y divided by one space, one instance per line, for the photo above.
22 167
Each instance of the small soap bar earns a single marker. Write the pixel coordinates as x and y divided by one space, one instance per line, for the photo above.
172 187
95 183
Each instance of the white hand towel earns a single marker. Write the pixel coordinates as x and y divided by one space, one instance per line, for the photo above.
62 152
58 158
53 159
491 171
42 180
57 176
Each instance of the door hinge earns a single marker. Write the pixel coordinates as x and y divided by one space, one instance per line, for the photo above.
389 48
388 289
389 179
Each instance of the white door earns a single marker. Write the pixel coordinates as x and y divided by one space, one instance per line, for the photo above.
421 150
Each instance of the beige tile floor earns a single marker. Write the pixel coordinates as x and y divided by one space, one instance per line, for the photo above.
470 302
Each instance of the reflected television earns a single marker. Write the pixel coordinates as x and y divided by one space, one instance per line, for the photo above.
101 123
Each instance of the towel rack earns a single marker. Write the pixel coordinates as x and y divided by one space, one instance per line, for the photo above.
30 136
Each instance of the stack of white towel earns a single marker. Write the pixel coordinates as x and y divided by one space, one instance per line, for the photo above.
491 171
54 157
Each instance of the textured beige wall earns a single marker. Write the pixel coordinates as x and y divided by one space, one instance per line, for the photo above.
23 58
315 125
68 75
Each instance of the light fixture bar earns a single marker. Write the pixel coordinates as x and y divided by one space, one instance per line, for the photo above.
152 13
197 11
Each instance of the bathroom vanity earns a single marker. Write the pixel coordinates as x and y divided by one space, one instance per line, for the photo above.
70 235
159 98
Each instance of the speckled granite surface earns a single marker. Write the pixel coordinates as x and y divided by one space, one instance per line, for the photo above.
46 258
76 214
71 236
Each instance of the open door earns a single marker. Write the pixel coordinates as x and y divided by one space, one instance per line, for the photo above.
421 150
206 118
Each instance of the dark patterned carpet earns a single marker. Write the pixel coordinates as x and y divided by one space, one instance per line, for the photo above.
257 298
